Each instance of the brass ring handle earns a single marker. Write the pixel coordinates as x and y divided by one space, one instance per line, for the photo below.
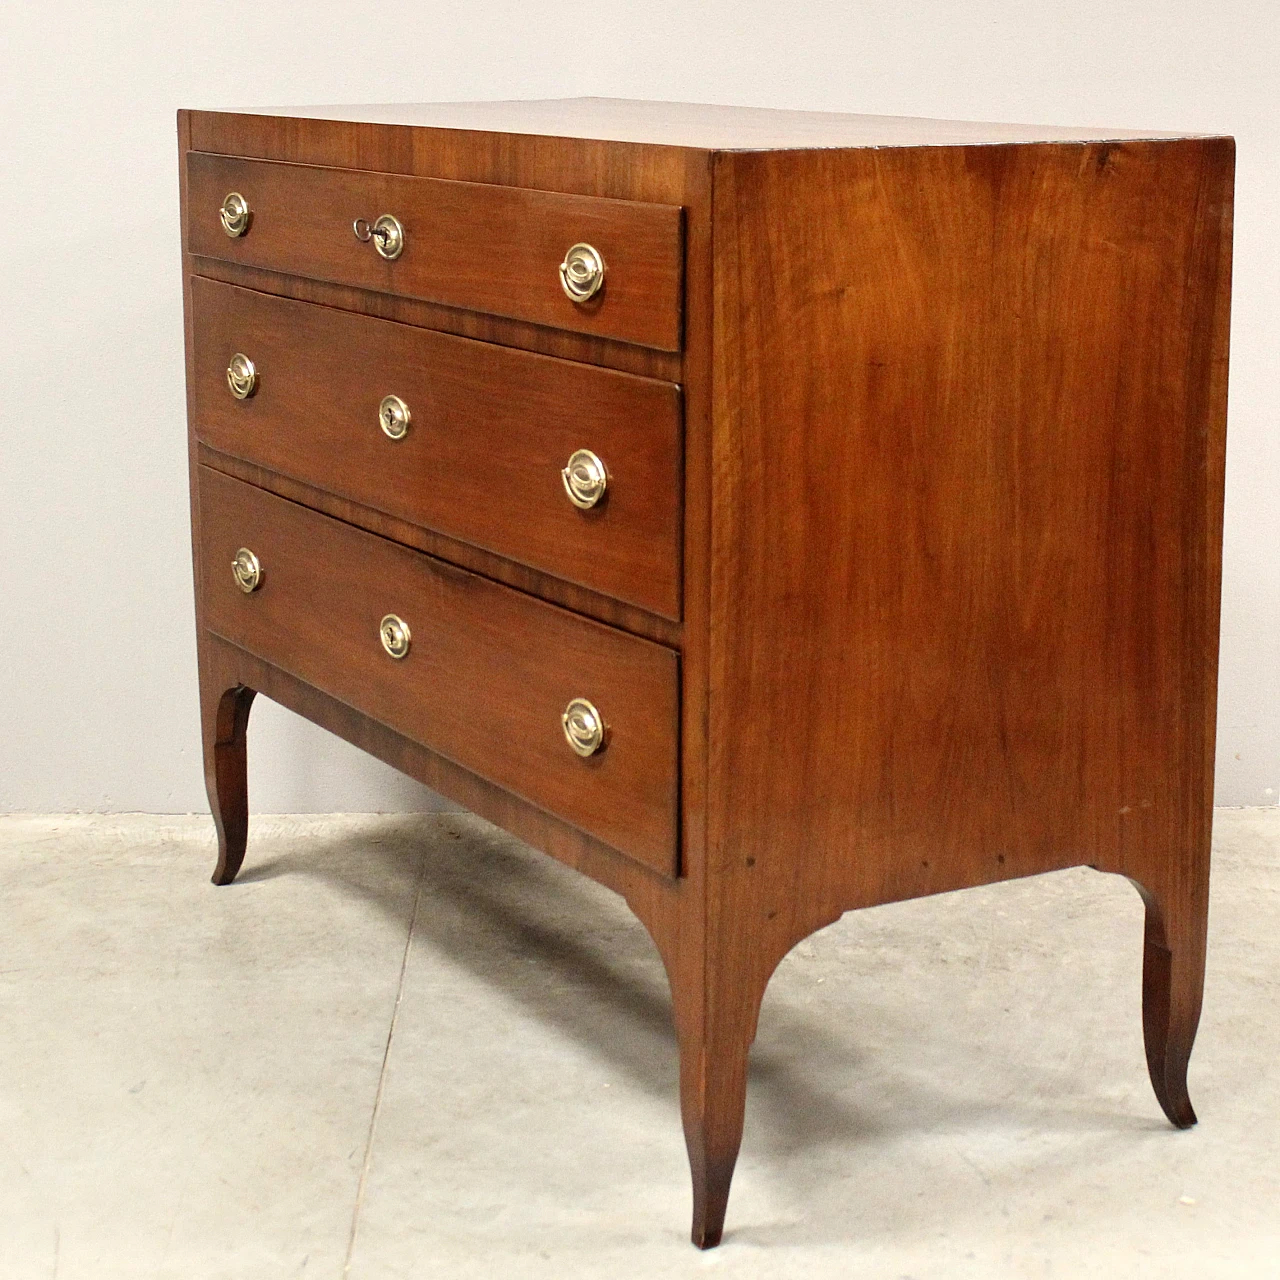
393 417
585 479
584 727
235 214
242 377
395 635
386 233
582 272
247 571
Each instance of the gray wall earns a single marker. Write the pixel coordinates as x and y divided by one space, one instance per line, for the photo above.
97 690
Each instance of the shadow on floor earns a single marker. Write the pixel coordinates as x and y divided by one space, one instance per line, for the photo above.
573 955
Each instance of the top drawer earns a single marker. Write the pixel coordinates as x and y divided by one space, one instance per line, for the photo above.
465 244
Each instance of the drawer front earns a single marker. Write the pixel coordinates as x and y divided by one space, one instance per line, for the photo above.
488 674
490 431
466 244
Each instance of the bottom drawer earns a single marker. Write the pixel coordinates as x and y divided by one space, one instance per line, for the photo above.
489 673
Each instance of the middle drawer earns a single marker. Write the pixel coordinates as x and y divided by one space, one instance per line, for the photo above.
467 438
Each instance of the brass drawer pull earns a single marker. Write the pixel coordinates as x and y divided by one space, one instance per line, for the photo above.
582 272
585 479
583 727
386 233
247 571
395 635
393 417
235 214
242 377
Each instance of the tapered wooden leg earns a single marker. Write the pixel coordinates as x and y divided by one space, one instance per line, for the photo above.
713 1098
715 1029
1172 988
718 974
224 719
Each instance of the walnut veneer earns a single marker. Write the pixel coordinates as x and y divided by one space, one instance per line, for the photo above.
906 573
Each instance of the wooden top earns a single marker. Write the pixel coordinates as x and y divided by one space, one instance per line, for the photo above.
712 128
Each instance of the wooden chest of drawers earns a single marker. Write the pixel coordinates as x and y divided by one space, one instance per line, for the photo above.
767 514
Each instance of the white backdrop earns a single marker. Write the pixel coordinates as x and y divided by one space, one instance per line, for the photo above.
97 670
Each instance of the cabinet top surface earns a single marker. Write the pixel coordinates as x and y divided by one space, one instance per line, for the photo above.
705 127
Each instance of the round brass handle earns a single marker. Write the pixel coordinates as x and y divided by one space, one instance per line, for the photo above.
246 570
395 635
585 479
393 417
235 214
386 233
242 377
584 728
582 272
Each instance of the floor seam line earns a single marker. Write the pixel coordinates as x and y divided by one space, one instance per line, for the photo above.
382 1073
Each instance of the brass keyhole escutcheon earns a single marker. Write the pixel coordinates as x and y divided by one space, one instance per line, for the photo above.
585 479
246 570
386 233
584 728
395 635
235 215
393 416
242 377
582 272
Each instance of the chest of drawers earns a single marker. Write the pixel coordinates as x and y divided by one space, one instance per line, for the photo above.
767 514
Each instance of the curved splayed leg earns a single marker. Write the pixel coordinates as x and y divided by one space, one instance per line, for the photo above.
224 721
1173 988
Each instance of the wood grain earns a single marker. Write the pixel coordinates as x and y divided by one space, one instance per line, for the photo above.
648 173
954 417
967 536
971 511
490 431
644 361
589 603
650 893
488 674
475 246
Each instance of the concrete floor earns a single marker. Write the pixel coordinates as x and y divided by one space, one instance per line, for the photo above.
410 1046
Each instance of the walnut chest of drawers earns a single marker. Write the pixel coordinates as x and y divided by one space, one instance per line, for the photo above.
767 514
